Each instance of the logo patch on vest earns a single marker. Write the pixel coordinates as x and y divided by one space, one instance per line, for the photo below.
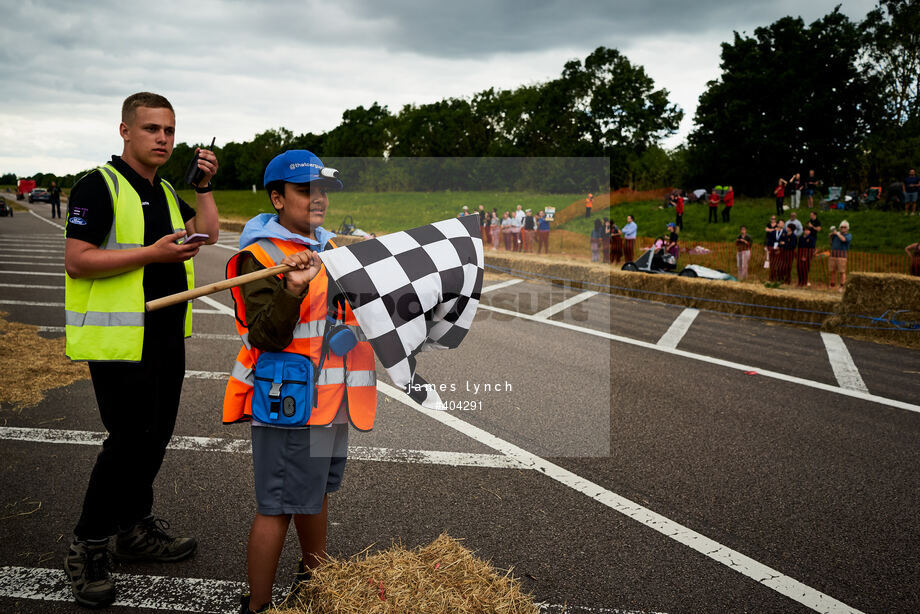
79 221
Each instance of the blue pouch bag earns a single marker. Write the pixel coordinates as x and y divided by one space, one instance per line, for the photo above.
283 393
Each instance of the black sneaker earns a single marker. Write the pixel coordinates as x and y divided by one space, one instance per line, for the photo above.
148 541
244 606
302 576
87 567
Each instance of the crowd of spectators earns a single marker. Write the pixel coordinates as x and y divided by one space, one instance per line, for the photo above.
520 231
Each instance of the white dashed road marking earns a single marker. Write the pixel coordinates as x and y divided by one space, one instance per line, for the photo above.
563 305
236 446
842 363
678 328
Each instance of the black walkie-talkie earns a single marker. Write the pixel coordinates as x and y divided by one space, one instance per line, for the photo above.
193 174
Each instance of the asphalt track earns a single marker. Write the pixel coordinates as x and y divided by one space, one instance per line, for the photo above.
630 456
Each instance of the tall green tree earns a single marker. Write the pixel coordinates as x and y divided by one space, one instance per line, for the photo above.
791 97
892 64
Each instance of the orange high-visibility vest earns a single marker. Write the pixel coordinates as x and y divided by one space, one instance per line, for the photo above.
354 376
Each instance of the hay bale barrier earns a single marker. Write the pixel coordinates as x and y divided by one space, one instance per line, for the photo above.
438 578
888 303
797 306
23 383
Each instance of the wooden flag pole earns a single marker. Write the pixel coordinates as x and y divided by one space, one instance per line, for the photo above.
217 286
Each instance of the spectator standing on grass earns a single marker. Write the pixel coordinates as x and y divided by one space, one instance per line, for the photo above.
780 192
840 248
768 242
672 245
542 232
714 207
495 228
630 231
911 192
729 200
744 242
811 187
787 243
589 204
605 241
794 190
506 230
483 222
814 223
616 242
913 250
795 223
775 264
805 251
528 231
596 237
517 224
55 192
679 211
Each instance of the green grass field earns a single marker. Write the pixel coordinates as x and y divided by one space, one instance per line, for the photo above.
383 212
873 231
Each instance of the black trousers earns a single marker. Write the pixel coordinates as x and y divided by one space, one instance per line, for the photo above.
680 221
138 404
714 214
726 214
779 206
55 208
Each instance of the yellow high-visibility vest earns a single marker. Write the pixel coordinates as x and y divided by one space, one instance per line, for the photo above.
105 316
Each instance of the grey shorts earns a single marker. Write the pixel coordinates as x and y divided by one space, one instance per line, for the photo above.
295 468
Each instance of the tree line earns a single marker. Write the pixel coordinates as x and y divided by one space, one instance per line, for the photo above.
836 95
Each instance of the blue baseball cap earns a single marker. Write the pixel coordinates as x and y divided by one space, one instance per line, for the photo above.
301 166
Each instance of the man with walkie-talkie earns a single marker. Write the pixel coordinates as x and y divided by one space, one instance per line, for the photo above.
130 239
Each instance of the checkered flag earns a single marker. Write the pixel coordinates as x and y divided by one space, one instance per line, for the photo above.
412 291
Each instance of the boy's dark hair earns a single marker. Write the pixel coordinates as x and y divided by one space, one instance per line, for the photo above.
142 99
275 186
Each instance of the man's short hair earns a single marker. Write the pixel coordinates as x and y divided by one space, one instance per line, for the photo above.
142 99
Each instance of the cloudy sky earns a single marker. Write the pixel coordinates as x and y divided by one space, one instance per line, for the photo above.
233 68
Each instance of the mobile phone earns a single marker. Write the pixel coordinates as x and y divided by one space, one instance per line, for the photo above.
193 174
196 238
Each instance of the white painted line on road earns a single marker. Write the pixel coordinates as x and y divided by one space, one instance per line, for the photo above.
732 559
134 591
47 221
51 329
212 312
842 363
219 306
243 446
216 337
31 287
500 285
792 379
562 306
32 273
5 253
222 375
58 251
30 303
678 328
232 248
200 595
59 263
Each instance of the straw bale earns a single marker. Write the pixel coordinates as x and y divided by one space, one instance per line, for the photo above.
887 304
23 382
438 578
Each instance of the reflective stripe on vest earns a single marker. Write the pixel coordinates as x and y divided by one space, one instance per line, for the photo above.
104 317
356 377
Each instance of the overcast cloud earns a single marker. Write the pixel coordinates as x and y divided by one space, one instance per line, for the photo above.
233 68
